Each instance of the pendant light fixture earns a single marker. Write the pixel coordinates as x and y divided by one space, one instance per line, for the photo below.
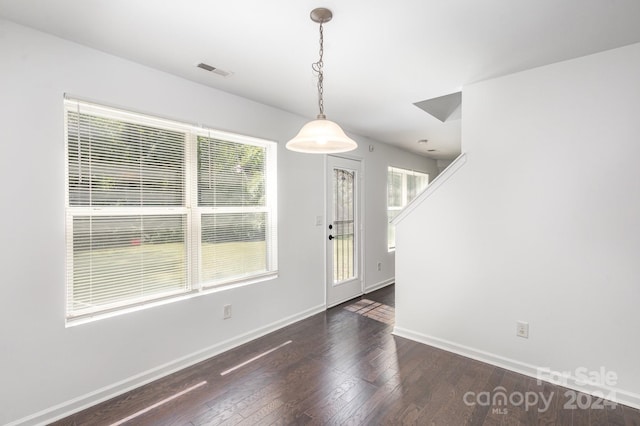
321 136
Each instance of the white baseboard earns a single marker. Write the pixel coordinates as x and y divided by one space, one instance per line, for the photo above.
72 406
379 285
614 394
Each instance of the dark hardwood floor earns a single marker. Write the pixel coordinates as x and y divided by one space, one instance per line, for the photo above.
344 367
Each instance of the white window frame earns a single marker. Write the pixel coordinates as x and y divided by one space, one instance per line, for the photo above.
405 198
190 210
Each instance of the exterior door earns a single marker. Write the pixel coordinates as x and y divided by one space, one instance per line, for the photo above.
344 272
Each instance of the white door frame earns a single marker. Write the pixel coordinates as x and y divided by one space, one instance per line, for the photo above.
358 289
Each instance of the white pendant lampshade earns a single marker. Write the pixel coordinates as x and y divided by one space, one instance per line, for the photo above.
321 136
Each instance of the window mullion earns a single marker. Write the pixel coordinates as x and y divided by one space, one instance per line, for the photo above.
272 206
193 212
404 188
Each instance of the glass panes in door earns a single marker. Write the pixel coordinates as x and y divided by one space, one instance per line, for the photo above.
343 225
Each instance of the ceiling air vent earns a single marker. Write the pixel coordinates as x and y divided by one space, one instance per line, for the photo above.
214 70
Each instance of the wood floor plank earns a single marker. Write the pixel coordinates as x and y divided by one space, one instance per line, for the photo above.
565 409
331 404
615 415
631 416
355 398
543 411
301 396
582 410
488 378
374 407
598 416
455 411
515 386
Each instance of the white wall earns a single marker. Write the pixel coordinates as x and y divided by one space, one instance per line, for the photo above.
377 163
542 224
42 363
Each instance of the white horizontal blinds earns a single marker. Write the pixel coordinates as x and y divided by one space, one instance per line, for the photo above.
237 233
126 215
123 259
230 173
234 246
402 187
113 162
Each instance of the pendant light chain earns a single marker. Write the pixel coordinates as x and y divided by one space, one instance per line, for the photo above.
317 68
321 136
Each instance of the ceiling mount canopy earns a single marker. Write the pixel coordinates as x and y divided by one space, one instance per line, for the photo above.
321 15
321 136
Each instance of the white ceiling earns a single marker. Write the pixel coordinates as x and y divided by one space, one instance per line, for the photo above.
381 57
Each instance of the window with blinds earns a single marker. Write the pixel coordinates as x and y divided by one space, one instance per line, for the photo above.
158 209
402 186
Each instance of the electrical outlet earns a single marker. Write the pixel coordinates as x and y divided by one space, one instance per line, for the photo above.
379 266
522 329
226 314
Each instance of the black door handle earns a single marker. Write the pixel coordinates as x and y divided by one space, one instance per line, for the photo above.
330 237
330 226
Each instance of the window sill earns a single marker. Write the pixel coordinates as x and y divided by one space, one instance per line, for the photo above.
89 318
